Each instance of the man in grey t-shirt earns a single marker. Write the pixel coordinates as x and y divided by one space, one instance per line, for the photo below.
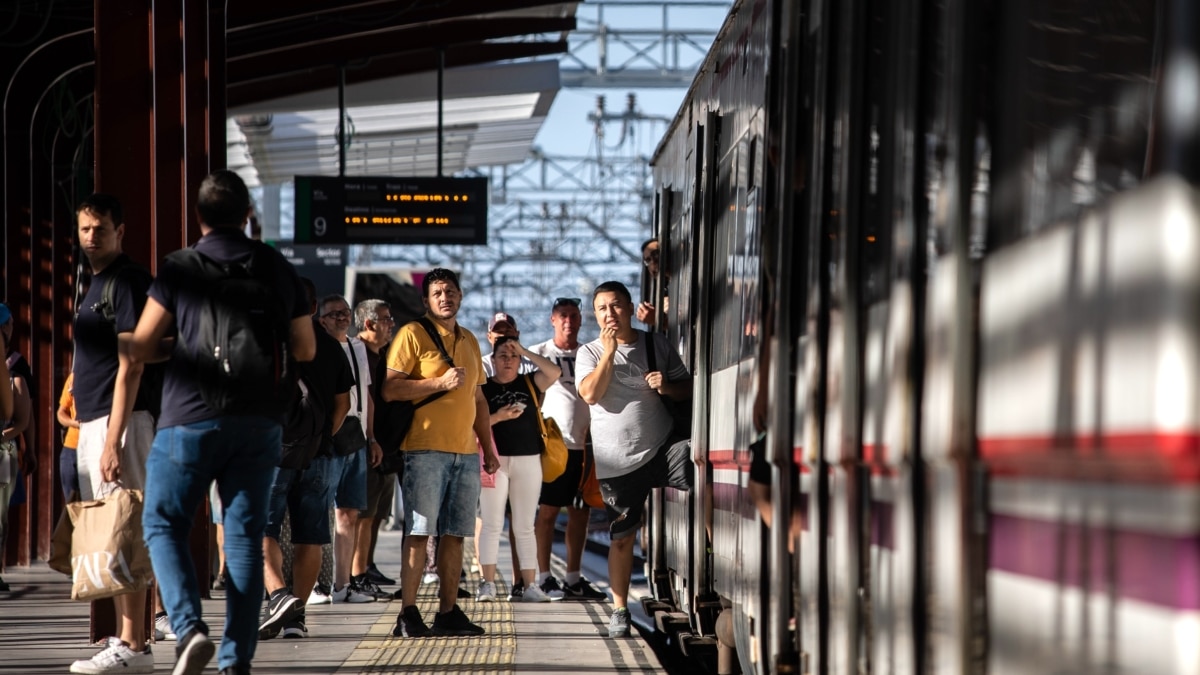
631 427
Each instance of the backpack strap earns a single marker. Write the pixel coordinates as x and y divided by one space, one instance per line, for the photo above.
107 307
651 360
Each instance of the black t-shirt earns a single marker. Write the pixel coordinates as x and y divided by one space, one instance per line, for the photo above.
328 374
522 436
178 292
95 363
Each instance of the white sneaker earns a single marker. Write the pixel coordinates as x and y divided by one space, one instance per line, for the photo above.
162 628
319 596
487 592
117 657
534 594
429 578
349 593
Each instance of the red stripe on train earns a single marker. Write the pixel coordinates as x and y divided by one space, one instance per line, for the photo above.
1153 457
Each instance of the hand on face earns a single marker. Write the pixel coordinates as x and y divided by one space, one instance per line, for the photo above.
608 338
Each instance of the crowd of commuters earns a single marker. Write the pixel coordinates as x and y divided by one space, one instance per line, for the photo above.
143 409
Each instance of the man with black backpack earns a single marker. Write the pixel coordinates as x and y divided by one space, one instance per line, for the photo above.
238 315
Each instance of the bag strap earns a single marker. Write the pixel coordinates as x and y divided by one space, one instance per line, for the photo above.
537 407
354 364
437 338
651 360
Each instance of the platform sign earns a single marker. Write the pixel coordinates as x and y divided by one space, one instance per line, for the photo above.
382 210
325 265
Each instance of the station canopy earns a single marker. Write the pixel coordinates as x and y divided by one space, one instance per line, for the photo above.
283 85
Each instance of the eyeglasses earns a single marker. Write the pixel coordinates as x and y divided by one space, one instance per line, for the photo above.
559 302
385 319
337 314
650 257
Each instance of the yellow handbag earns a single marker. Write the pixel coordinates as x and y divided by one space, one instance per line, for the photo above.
554 450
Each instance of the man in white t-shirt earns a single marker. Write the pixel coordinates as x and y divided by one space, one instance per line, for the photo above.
562 403
350 497
631 426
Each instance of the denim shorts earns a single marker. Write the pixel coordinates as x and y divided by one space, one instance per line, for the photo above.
441 493
352 481
625 496
307 495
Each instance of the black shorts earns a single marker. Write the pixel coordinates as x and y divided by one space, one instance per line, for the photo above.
561 492
625 496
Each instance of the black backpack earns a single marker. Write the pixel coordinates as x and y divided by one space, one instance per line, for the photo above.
152 376
393 419
303 426
240 353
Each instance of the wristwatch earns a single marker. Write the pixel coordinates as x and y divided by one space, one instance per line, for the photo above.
372 440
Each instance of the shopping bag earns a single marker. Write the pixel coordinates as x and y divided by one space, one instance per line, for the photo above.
60 544
108 555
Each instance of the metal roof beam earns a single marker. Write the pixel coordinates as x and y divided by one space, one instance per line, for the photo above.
377 44
246 92
265 22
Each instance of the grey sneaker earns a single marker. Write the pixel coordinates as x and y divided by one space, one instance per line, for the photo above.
193 653
294 629
618 624
487 592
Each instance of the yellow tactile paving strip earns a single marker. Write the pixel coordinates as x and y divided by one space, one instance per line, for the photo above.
494 652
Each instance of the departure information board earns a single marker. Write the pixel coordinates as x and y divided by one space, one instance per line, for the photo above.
381 210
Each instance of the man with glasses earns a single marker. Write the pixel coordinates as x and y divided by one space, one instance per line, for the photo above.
562 402
374 323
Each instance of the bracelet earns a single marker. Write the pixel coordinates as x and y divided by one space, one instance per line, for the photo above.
372 440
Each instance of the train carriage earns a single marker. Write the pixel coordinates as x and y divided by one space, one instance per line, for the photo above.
961 240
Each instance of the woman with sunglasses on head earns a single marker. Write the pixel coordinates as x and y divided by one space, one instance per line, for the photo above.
513 401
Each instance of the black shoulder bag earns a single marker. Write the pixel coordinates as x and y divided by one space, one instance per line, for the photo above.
393 419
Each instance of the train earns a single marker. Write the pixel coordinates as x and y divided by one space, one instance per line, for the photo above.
941 259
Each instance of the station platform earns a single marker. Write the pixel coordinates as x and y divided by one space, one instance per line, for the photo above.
43 631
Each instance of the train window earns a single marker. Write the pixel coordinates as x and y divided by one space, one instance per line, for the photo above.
1073 95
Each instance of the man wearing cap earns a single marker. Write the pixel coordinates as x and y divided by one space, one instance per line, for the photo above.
571 412
503 325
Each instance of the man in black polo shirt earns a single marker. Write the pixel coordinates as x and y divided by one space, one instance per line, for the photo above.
197 444
115 431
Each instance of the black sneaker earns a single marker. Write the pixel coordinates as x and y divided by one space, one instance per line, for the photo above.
551 585
455 622
282 607
363 584
410 624
463 593
235 670
4 585
295 629
584 590
378 577
517 591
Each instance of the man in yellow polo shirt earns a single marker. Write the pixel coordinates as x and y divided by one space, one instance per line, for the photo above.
441 464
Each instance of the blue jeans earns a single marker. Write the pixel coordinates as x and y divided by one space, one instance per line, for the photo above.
441 493
241 454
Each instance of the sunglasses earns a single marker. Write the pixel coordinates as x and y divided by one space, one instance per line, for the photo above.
559 302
